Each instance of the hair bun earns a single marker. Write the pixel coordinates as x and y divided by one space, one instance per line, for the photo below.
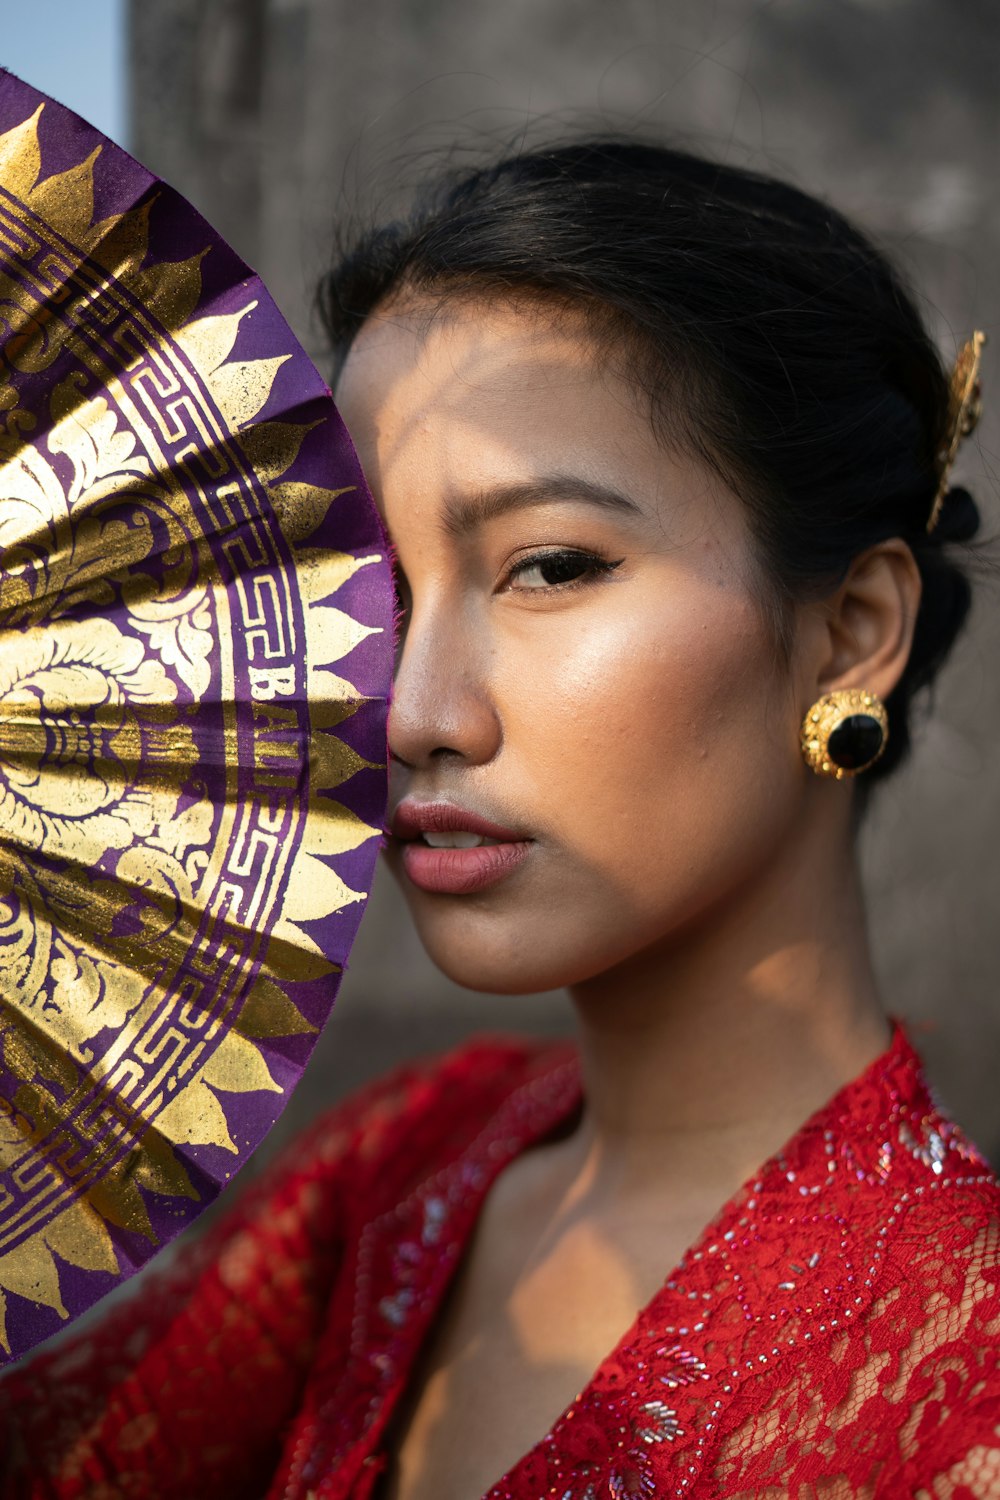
959 518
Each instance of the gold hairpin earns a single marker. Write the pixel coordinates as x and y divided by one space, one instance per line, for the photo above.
965 404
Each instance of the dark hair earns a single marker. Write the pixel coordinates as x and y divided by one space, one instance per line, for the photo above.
771 336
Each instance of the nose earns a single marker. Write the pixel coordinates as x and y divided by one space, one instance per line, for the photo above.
441 703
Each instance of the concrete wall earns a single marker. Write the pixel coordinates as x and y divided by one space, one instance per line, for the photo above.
278 116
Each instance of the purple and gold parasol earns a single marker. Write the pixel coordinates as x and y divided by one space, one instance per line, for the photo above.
195 658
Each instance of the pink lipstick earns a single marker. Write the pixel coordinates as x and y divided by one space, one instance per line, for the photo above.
449 850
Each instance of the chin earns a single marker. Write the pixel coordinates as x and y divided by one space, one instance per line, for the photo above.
504 963
499 974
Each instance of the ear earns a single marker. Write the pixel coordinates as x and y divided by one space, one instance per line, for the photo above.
860 636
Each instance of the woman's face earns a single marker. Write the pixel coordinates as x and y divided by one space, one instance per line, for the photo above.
582 659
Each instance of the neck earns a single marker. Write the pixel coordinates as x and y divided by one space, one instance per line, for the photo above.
724 1039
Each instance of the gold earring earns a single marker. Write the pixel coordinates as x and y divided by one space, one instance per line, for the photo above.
844 732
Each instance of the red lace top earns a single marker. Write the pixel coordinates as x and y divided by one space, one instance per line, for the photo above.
833 1333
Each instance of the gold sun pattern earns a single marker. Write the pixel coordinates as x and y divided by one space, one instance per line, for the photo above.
170 638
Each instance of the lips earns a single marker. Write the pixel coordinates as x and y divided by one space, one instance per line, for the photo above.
455 871
411 819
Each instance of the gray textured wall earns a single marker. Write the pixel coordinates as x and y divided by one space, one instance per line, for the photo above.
276 116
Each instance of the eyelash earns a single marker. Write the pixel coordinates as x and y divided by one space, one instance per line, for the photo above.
595 568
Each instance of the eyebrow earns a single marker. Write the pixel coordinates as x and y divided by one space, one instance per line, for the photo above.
463 515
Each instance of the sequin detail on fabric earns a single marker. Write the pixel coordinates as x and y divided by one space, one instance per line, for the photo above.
833 1333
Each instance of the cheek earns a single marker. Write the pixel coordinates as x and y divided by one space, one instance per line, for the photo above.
655 739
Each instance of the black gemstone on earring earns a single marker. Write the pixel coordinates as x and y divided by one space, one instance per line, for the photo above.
855 742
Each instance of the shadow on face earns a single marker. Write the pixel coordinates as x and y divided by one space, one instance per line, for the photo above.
583 656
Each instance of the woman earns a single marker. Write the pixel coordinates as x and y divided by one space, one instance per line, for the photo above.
662 448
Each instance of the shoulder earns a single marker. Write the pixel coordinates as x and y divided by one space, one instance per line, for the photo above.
920 1212
932 1327
942 1202
937 1321
865 1263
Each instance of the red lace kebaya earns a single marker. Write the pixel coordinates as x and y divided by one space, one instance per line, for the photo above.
833 1333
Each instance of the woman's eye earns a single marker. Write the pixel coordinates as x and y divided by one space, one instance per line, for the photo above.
553 569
